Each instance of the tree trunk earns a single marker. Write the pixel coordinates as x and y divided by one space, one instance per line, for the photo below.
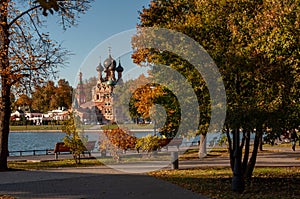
5 103
261 142
238 182
246 153
230 148
202 146
252 161
4 127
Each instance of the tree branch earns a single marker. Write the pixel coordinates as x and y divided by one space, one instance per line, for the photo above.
22 14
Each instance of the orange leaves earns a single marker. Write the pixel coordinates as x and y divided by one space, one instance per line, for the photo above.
120 139
145 97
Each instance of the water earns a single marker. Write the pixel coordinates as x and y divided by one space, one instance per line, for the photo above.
20 141
28 141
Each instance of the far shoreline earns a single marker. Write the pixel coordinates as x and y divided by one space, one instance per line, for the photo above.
35 131
49 131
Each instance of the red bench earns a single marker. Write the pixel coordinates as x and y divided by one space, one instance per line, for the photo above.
60 147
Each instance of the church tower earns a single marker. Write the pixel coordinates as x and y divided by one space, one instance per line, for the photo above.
103 91
80 91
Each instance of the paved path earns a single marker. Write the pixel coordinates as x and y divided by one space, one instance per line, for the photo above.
108 183
93 182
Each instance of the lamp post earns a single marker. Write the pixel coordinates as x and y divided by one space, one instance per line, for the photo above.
154 127
154 120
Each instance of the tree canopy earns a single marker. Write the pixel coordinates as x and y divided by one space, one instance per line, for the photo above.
255 45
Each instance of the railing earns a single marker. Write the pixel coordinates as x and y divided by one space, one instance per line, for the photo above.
31 152
50 151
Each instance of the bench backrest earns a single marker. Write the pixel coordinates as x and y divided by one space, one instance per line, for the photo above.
171 142
90 145
61 147
175 142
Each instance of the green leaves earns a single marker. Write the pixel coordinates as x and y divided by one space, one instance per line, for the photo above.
74 138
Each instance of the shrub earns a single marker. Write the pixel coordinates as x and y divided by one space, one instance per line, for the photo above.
149 143
115 140
74 139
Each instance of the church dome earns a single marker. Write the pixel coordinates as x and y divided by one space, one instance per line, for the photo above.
119 68
99 68
111 83
110 63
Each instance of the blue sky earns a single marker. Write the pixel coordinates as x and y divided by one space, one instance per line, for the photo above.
93 33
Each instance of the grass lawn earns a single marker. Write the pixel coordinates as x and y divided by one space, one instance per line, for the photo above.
267 183
14 165
58 127
283 183
36 128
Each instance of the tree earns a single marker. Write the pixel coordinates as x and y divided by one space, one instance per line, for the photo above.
49 96
27 55
150 94
74 138
88 87
63 94
23 101
255 45
38 101
173 14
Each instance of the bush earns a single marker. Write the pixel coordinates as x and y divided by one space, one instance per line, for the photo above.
115 140
149 143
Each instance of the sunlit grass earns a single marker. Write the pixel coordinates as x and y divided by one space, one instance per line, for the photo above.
52 164
275 182
36 128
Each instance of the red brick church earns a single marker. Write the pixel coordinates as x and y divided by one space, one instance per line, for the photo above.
100 108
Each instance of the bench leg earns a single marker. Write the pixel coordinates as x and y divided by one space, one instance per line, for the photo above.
56 156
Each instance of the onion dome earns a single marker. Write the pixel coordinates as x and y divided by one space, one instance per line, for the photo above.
110 63
119 68
111 83
99 68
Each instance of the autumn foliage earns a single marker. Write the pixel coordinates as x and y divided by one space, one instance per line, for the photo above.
120 138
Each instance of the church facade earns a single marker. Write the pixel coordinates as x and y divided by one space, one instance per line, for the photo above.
100 109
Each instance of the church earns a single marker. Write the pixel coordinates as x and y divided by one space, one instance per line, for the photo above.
100 108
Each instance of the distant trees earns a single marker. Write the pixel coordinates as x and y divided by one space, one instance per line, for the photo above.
46 97
22 101
50 97
88 86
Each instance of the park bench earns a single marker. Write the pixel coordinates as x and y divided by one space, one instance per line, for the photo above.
89 146
169 142
60 147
